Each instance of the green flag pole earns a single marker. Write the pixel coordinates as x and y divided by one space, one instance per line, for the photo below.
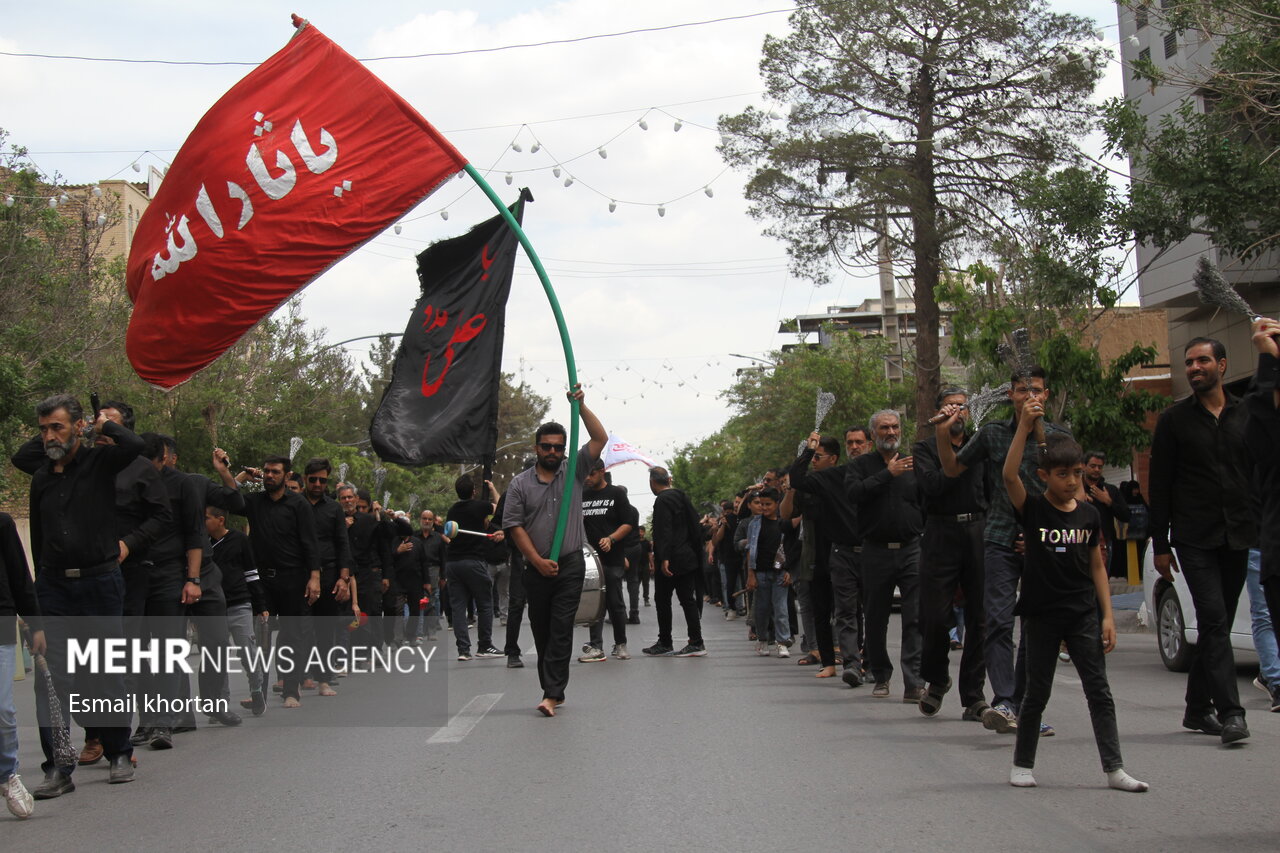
571 452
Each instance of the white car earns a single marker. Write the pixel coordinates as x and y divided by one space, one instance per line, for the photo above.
1174 618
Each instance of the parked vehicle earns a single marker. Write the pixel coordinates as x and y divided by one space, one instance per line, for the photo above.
1173 616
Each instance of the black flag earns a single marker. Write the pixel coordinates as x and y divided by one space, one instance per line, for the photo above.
442 403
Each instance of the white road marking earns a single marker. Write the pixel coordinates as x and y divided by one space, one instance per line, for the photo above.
465 720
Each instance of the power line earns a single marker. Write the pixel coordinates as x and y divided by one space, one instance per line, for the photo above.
440 54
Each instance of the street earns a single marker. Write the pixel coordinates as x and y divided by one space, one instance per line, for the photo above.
727 752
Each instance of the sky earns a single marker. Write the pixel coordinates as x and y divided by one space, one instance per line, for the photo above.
661 309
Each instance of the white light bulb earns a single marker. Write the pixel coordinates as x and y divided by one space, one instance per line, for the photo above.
662 211
1099 34
515 146
556 171
1133 42
102 219
509 179
136 167
53 202
398 228
535 148
568 181
97 191
676 127
724 139
708 191
8 201
644 125
444 214
1045 75
886 148
64 198
613 205
604 155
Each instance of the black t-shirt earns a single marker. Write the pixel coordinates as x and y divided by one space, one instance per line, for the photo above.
470 515
767 544
1057 581
604 511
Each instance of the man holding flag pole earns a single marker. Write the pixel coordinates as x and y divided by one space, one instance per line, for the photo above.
553 576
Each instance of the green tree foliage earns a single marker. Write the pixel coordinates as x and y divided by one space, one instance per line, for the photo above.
909 122
774 408
1209 167
1103 411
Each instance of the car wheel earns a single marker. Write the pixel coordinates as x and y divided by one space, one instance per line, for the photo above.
1171 633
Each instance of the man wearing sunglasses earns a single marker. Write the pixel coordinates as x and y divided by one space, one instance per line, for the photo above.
335 567
552 582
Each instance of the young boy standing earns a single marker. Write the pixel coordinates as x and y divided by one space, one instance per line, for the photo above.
1064 587
765 573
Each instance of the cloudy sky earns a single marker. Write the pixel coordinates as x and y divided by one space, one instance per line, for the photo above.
655 305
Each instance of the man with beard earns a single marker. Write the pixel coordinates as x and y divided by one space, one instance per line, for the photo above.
371 552
433 555
282 533
950 559
1110 506
1001 561
335 568
605 515
883 487
1201 504
677 557
79 586
816 475
553 587
141 517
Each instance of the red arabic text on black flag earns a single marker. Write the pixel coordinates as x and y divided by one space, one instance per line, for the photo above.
442 403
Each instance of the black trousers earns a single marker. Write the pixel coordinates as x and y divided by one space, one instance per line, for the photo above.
1215 578
154 600
950 559
847 596
685 586
614 604
632 577
210 617
881 569
515 604
1083 636
823 602
287 598
553 603
325 623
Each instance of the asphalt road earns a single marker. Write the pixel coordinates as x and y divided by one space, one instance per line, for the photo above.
727 752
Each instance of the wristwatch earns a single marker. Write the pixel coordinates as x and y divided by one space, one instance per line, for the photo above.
195 580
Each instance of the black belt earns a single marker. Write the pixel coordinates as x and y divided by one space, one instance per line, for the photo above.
87 572
958 517
892 546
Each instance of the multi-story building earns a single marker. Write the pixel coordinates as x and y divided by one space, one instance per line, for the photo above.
1165 275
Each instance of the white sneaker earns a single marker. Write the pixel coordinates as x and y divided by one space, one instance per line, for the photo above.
18 798
783 651
620 651
590 654
762 649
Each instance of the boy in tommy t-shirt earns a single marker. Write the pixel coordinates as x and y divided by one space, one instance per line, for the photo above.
1064 586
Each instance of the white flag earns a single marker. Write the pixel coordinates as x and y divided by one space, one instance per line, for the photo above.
618 451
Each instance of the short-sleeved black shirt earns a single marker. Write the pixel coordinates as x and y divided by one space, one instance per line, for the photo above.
470 515
1057 582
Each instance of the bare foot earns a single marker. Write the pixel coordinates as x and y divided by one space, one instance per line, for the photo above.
547 707
825 672
326 690
292 703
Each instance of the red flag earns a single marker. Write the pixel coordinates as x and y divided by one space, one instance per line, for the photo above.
302 161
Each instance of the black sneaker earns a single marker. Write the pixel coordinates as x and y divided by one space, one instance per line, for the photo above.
489 652
162 737
692 651
657 650
141 736
514 662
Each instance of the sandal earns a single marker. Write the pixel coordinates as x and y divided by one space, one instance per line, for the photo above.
808 660
931 702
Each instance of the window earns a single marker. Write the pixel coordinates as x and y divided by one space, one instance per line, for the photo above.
1170 45
1144 55
1140 15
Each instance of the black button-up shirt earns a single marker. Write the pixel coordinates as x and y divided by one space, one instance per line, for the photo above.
72 522
888 506
331 533
943 495
1201 492
282 533
837 518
